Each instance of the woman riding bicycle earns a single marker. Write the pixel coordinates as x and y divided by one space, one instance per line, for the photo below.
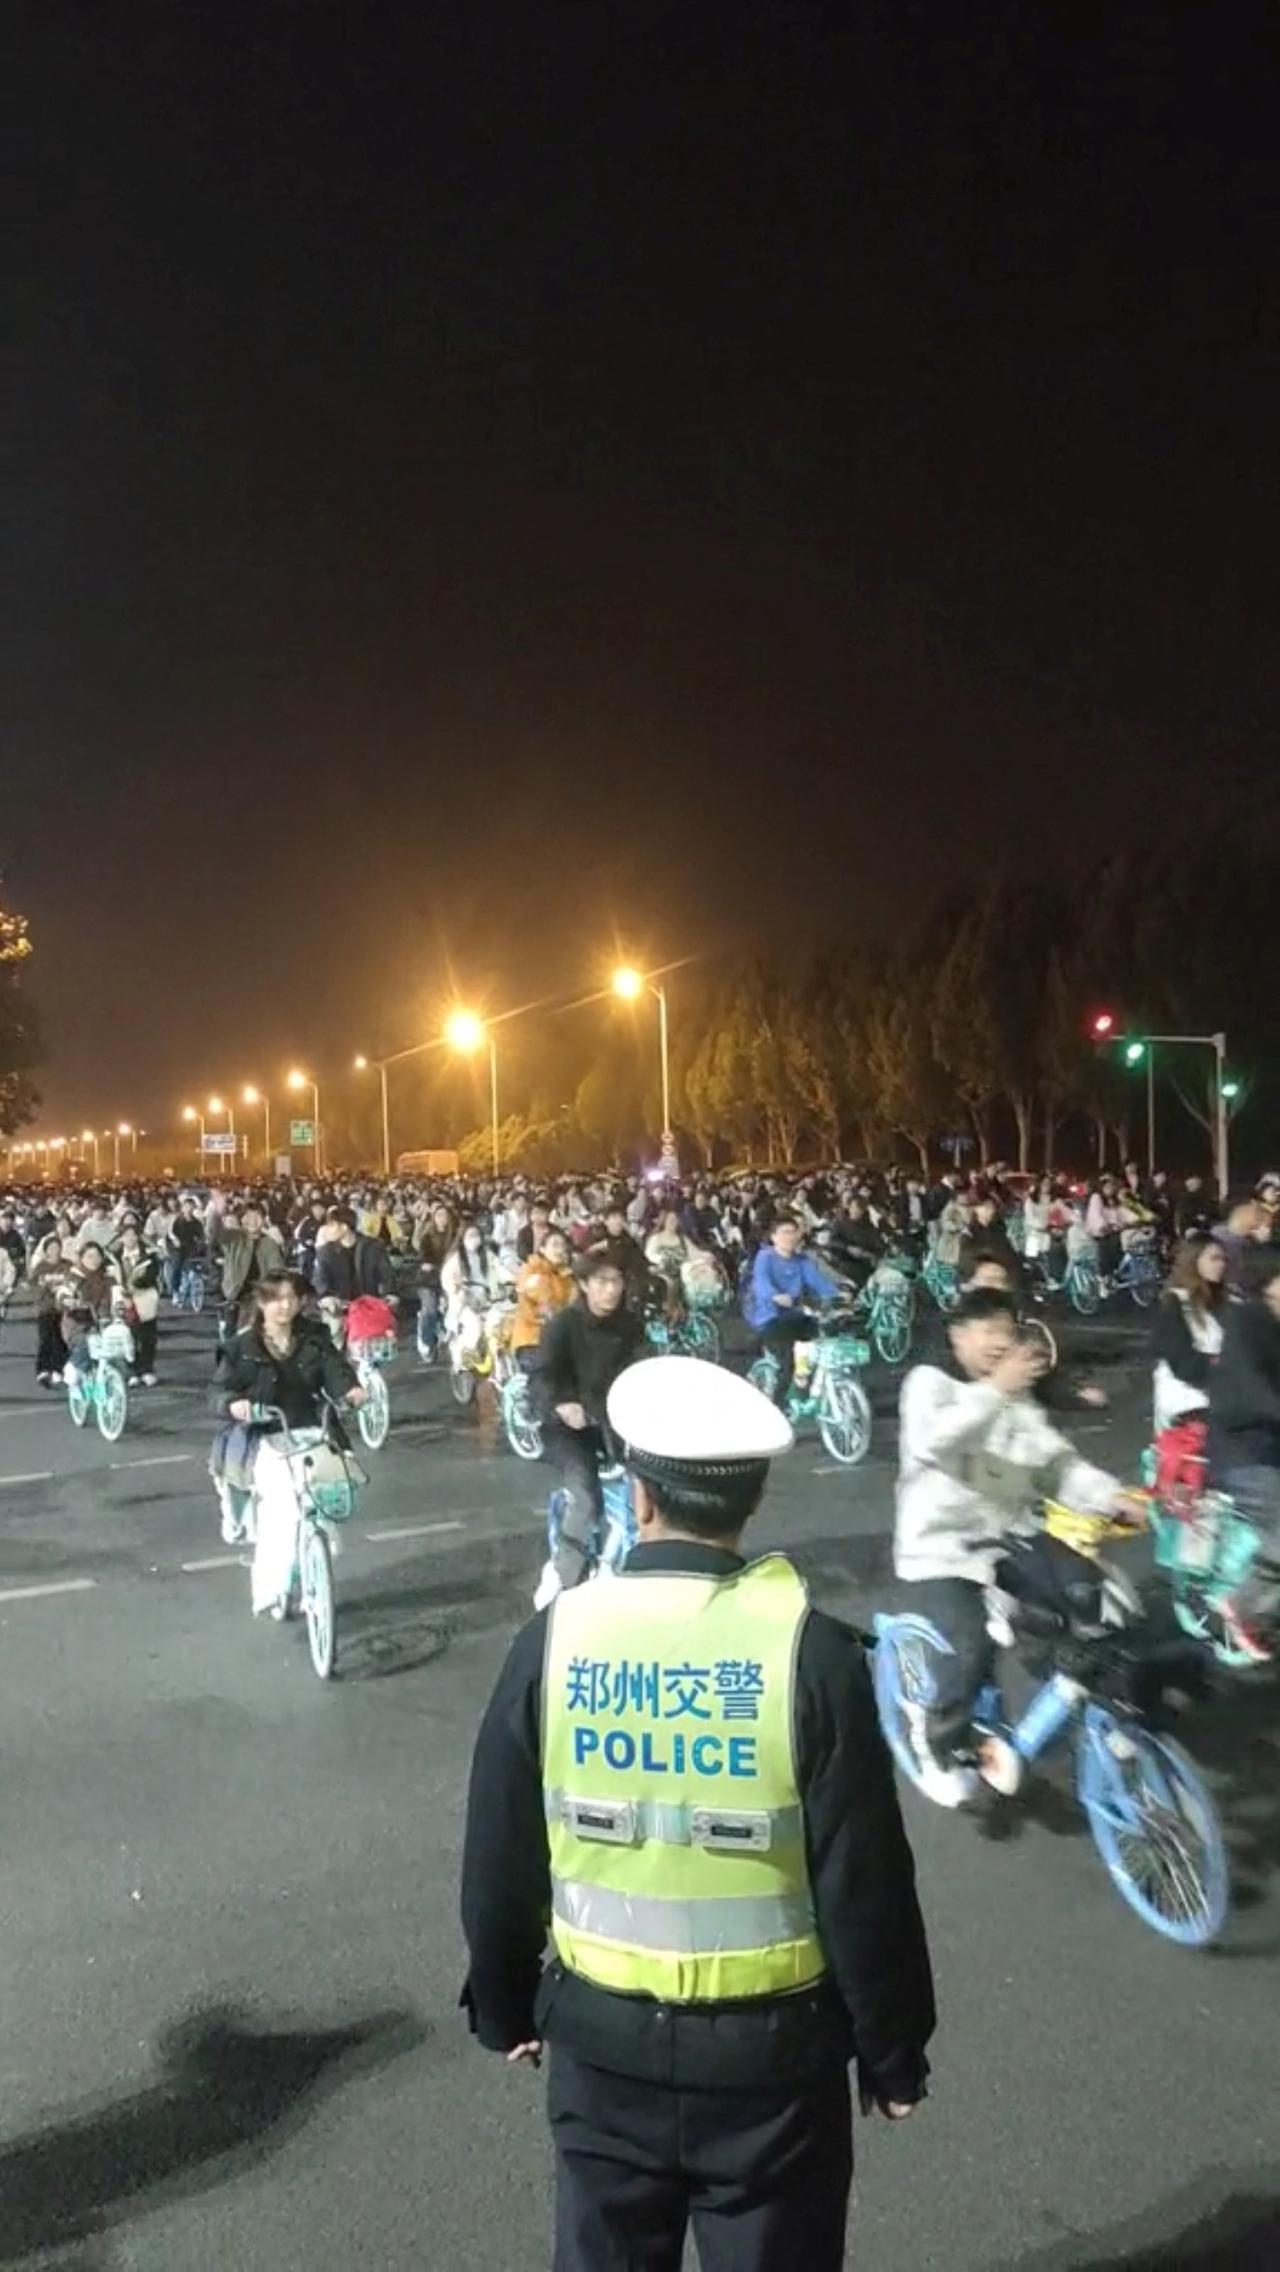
90 1298
287 1362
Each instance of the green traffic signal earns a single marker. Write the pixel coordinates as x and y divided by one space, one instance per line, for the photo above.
1230 1090
1135 1053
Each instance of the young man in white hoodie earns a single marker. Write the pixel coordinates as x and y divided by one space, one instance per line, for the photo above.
976 1454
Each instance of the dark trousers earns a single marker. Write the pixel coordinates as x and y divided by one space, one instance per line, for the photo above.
779 1340
575 1453
1047 1573
763 2175
51 1349
1256 1492
146 1335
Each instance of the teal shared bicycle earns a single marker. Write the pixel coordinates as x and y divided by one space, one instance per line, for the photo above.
887 1306
831 1392
103 1389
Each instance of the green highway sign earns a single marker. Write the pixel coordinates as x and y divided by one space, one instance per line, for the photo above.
302 1132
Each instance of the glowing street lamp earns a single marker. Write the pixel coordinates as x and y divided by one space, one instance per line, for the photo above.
300 1080
251 1096
629 985
467 1033
195 1119
90 1136
379 1066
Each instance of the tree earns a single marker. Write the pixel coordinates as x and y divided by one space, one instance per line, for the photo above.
20 1042
962 1020
911 1095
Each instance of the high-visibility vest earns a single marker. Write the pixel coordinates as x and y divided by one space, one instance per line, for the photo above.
678 1863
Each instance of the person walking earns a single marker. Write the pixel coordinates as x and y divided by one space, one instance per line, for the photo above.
683 1770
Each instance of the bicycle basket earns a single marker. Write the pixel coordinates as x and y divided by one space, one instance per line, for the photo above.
112 1344
378 1351
331 1483
846 1352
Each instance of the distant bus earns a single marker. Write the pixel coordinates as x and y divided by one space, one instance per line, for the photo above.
427 1163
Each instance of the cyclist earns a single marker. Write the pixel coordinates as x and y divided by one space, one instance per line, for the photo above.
139 1270
1244 1445
1186 1345
582 1351
352 1263
784 1290
185 1243
545 1285
249 1253
470 1278
286 1361
1053 1389
90 1298
975 1452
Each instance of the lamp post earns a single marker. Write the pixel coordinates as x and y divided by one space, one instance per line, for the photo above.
467 1033
195 1119
1103 1029
216 1105
252 1096
379 1066
90 1136
629 985
300 1080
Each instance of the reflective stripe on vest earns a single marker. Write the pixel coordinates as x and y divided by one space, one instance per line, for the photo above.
676 1833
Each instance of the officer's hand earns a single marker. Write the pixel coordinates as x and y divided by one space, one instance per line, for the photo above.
895 2111
533 2053
573 1415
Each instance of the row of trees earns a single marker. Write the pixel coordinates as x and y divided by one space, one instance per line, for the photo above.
973 1032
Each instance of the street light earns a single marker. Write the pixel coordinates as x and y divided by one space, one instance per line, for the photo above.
90 1136
1103 1029
216 1105
300 1080
629 985
379 1064
252 1096
467 1033
195 1119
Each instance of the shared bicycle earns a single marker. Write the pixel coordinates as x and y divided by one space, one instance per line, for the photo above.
103 1389
1153 1820
825 1387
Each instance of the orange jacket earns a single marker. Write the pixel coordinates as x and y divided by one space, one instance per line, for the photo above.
541 1290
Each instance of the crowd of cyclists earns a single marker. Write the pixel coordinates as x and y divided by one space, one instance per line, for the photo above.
576 1277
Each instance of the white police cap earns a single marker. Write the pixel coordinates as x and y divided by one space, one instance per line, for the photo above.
680 1415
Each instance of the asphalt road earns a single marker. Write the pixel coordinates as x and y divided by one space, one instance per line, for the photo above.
228 1896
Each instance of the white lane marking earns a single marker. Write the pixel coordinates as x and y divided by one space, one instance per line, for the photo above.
157 1459
39 1475
62 1586
411 1530
28 1411
218 1562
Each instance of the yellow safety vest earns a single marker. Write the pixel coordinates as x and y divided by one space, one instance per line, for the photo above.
678 1865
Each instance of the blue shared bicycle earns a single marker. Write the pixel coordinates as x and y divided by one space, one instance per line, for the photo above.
1152 1818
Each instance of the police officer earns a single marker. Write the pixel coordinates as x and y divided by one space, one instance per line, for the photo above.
681 1769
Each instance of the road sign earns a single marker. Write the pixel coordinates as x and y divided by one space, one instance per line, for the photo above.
302 1132
216 1144
284 1165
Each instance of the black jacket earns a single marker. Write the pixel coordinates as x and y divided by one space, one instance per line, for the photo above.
1171 1340
347 1271
581 1356
294 1383
1244 1392
878 2000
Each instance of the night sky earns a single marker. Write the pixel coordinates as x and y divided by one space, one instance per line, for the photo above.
483 479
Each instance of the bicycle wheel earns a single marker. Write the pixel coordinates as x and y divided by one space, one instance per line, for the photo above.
700 1337
1083 1291
374 1416
462 1383
316 1582
196 1292
944 1285
1144 1285
891 1327
78 1401
1035 1329
764 1375
844 1421
1156 1828
428 1338
908 1652
112 1400
523 1432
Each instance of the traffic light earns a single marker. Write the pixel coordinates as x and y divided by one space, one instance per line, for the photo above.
1230 1090
1135 1053
1102 1025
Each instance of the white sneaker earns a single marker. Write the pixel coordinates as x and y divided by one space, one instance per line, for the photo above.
547 1588
149 1380
57 1379
949 1786
232 1531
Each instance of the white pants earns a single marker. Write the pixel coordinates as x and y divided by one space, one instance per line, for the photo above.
275 1500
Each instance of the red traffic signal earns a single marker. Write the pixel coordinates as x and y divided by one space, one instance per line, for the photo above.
1103 1024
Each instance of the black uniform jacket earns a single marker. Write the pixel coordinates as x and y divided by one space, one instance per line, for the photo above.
877 2002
